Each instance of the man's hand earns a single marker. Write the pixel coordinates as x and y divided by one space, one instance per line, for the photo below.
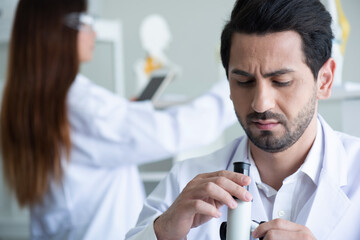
282 229
200 201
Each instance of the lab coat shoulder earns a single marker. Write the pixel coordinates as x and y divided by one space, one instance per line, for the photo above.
348 226
96 111
335 208
342 156
105 127
351 145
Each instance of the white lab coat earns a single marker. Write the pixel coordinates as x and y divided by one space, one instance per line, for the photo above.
333 212
101 194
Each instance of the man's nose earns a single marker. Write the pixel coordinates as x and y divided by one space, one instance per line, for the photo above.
263 99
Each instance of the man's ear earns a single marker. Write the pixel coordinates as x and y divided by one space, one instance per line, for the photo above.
325 79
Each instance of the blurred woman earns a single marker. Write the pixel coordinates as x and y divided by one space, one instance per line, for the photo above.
71 148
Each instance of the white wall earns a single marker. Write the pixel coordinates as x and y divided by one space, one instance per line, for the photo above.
195 27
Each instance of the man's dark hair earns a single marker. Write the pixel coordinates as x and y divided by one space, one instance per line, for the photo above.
308 18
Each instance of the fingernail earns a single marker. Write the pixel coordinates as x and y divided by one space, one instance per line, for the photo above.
248 196
233 204
218 214
246 179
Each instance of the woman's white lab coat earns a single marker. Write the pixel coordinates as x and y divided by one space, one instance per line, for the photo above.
333 211
101 193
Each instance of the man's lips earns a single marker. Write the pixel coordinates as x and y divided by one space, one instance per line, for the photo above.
265 124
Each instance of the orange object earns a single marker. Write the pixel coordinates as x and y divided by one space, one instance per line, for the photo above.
151 65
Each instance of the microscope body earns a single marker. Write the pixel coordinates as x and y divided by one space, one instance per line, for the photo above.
239 224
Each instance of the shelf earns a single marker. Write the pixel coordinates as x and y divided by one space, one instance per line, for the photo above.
350 90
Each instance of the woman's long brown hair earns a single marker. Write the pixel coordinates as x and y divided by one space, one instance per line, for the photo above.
42 64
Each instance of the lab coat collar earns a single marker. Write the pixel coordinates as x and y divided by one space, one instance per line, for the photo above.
313 163
334 152
329 203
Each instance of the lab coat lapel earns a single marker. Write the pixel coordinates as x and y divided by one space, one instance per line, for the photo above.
329 203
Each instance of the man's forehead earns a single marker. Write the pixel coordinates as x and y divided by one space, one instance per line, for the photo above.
275 48
279 38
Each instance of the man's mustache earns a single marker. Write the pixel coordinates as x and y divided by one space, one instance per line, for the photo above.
264 116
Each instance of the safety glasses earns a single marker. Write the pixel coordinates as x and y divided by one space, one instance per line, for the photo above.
80 21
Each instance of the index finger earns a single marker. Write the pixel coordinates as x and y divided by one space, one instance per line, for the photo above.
238 178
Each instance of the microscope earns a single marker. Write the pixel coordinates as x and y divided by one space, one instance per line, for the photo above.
239 225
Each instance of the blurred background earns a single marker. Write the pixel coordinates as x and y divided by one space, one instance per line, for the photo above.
195 28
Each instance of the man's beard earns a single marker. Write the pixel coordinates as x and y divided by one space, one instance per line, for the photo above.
293 130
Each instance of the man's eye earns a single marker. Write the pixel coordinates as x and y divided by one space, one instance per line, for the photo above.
245 83
282 83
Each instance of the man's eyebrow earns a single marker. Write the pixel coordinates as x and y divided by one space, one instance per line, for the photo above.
241 72
266 75
278 72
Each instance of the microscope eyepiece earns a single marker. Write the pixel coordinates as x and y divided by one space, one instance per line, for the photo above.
242 167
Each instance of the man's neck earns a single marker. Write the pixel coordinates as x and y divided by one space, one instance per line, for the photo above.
275 167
